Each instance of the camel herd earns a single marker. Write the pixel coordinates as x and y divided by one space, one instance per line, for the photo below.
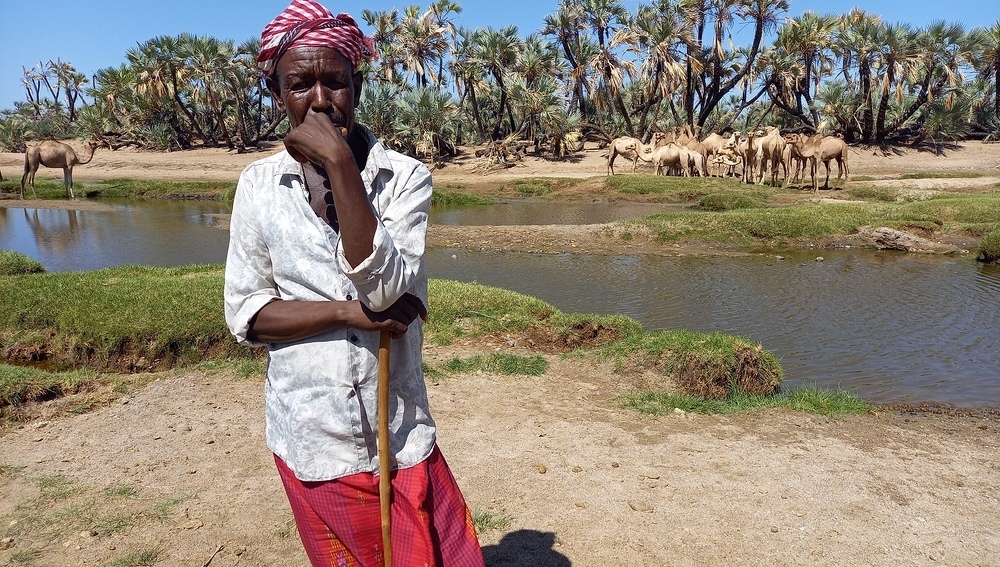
756 153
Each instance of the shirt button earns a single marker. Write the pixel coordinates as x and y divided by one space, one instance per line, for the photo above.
354 339
349 297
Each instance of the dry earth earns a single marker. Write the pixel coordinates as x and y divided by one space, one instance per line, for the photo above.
180 465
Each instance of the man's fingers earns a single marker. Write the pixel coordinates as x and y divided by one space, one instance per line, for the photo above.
417 305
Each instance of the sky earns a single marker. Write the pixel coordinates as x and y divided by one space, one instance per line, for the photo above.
93 35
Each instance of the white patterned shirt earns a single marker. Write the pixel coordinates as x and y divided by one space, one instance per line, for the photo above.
320 393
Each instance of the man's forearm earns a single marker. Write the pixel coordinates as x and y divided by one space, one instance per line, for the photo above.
288 321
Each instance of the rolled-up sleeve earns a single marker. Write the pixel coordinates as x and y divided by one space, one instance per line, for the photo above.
396 261
249 281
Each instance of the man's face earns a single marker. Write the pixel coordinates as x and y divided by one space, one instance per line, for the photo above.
320 79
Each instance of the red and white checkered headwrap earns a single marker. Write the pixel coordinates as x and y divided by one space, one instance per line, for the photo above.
305 23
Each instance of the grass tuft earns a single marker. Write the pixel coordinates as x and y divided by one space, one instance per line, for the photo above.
808 399
14 263
141 558
703 365
499 363
989 248
486 521
941 175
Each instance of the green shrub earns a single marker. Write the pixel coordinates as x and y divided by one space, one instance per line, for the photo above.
727 200
989 248
12 263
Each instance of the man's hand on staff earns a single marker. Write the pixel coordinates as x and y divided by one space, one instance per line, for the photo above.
396 318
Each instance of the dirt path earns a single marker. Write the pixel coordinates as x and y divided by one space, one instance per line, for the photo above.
571 478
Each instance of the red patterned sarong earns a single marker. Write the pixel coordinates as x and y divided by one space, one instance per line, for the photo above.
340 523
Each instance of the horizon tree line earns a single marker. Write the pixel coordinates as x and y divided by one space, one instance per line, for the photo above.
593 70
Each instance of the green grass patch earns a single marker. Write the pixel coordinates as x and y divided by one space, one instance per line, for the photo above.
675 189
499 363
537 186
863 178
794 225
486 521
24 557
23 384
10 471
467 310
140 558
704 365
124 490
163 510
455 198
156 189
941 175
12 263
128 189
870 193
125 318
727 201
809 399
989 247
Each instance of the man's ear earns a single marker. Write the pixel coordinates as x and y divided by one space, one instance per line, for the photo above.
272 85
359 81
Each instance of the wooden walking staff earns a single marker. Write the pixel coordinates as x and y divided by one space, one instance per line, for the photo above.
384 486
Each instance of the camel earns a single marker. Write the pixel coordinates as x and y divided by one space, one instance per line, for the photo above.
669 157
629 147
51 153
821 148
725 162
772 149
792 156
713 144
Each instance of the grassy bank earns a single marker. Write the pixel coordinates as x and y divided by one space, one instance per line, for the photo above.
101 333
127 189
967 215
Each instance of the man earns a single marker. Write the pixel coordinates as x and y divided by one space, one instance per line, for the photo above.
326 250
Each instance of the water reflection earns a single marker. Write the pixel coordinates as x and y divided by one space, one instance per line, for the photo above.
161 234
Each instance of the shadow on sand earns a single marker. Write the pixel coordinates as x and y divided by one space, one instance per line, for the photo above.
525 548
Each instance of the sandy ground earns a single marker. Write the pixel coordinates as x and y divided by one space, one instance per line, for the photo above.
570 477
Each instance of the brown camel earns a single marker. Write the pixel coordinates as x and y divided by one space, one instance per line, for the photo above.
820 148
51 153
631 148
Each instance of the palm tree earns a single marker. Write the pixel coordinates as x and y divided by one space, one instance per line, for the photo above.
603 17
422 41
441 11
163 71
427 121
566 26
899 56
500 50
385 41
857 44
944 50
807 40
989 62
210 61
468 70
658 37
